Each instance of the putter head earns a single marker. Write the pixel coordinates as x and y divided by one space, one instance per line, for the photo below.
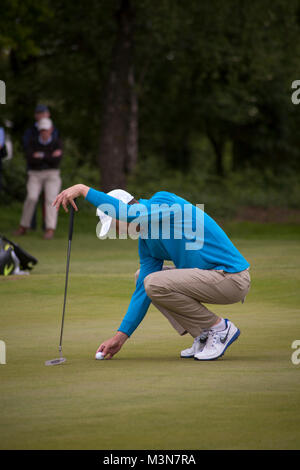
55 362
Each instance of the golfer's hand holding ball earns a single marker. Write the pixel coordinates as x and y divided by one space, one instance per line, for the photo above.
99 356
111 346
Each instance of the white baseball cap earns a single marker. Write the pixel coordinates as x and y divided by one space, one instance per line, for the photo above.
44 124
105 219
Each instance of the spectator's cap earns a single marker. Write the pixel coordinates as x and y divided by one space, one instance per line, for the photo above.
41 108
105 219
44 124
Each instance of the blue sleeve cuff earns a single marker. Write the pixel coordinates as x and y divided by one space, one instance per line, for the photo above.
127 328
94 197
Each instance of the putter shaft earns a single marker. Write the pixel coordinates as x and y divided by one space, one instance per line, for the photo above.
71 223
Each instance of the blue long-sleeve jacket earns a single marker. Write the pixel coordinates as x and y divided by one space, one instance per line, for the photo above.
190 238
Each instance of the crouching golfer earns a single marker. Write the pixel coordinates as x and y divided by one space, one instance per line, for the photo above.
208 267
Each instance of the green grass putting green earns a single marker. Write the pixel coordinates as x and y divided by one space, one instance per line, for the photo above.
146 397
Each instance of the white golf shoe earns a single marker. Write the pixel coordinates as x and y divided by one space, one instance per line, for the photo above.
217 342
197 346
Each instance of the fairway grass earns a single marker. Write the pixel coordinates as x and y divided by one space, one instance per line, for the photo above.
146 397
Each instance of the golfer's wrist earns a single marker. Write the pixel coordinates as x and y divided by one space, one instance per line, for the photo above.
121 336
83 189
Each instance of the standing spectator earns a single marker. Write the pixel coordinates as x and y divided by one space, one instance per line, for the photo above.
3 152
44 155
41 111
8 143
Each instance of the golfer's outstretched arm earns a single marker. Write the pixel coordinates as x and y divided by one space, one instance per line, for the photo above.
97 198
140 302
138 306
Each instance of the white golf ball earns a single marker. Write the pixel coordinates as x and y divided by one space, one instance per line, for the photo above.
99 355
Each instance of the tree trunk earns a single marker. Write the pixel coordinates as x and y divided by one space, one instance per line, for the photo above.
133 130
114 146
218 146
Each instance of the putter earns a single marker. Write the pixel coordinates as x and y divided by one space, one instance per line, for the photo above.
61 359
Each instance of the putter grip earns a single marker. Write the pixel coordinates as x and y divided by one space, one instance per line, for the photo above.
72 211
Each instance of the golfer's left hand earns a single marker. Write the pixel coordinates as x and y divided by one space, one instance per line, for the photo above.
113 345
67 196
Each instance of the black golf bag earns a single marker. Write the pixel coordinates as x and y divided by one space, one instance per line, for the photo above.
13 259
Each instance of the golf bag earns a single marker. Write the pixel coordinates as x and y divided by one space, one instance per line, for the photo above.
13 259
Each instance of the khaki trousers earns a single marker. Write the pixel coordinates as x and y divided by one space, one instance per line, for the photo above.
50 181
179 293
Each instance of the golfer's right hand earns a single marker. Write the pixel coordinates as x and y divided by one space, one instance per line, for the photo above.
111 346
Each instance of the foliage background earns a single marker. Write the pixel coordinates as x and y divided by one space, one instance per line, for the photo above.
213 81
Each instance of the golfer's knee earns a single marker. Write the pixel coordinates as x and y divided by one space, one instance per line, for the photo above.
148 285
152 286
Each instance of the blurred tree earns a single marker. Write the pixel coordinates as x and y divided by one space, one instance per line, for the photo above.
21 25
217 72
118 138
223 72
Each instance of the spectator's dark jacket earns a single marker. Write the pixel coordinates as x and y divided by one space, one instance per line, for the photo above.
32 133
47 162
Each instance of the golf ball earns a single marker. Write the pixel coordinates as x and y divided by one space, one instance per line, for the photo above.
99 355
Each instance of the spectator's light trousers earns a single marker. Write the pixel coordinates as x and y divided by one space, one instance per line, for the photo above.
50 181
179 293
